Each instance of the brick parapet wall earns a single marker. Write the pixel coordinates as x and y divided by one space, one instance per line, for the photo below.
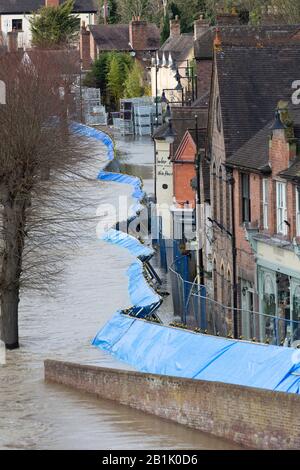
251 417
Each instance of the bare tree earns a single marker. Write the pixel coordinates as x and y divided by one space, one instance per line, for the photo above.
35 144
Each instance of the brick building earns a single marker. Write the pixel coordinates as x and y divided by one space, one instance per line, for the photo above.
249 78
138 38
268 228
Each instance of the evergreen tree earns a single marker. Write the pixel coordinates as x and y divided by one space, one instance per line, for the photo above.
115 80
133 86
172 12
54 26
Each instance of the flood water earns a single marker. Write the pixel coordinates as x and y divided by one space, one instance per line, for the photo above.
36 415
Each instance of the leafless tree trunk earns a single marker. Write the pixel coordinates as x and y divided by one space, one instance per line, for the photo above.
34 144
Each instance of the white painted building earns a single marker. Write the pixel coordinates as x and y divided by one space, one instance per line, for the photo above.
16 14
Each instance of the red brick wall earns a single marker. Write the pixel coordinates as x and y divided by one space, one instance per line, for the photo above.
51 3
138 35
183 173
281 152
252 417
85 48
245 257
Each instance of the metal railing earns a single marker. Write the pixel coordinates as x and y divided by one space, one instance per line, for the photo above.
203 314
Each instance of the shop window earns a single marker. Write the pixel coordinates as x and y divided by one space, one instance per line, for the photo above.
295 333
268 326
246 203
298 211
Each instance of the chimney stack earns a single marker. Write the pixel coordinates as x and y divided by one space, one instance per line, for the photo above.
138 34
175 27
228 19
270 16
85 47
12 41
200 27
51 3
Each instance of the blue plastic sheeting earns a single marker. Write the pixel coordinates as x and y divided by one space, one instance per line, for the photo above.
141 294
163 350
124 179
87 131
129 243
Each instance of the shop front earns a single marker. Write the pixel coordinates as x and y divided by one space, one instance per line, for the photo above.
278 272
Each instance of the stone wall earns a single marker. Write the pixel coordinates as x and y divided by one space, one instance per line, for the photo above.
251 417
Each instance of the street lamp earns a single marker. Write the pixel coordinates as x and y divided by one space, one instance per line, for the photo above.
170 134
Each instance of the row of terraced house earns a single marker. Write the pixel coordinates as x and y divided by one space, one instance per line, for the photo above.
243 130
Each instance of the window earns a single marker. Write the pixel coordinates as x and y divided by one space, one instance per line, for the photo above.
265 190
214 186
298 211
219 115
17 25
221 196
246 205
281 212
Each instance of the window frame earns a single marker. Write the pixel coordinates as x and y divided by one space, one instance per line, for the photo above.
245 199
17 20
265 203
281 208
297 191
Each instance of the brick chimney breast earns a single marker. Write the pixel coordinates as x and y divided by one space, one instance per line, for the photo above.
85 47
51 3
200 27
175 30
138 34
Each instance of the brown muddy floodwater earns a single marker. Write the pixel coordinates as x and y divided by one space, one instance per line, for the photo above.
36 415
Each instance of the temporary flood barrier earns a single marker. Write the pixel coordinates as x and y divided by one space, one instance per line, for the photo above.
159 349
144 299
170 351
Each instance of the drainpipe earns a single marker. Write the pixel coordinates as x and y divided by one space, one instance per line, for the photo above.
200 269
234 263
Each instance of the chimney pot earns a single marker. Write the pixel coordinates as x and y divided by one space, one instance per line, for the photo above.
175 27
51 3
200 27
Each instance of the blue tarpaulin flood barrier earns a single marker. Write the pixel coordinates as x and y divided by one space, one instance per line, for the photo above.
144 299
128 242
159 349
